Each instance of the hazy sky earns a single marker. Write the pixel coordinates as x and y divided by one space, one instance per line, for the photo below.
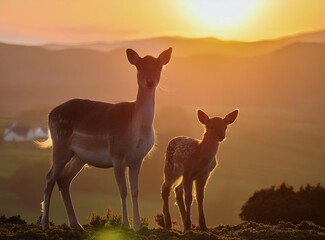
40 21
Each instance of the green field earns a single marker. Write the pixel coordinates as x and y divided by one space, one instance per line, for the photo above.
262 149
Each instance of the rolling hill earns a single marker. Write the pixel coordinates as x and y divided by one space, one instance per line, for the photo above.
290 77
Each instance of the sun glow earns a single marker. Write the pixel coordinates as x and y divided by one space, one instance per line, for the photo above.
223 16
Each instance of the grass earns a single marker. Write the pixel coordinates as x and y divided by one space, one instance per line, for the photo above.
15 228
14 155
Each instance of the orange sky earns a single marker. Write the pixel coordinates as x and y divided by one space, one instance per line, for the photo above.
41 21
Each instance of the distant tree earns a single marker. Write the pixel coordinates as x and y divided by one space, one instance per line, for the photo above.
272 205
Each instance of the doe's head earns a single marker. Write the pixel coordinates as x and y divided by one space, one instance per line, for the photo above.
148 67
216 127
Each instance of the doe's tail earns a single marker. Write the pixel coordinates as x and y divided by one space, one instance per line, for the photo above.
46 143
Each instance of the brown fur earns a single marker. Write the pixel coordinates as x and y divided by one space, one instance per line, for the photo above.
105 135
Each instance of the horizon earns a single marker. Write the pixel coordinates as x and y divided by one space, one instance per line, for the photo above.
72 44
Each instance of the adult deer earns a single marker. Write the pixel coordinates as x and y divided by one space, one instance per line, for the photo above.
104 135
190 160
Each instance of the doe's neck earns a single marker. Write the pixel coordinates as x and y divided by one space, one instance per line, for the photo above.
145 104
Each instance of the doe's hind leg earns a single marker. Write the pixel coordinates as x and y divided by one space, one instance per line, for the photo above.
64 182
60 158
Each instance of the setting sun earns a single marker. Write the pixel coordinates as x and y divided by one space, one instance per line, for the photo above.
35 21
222 16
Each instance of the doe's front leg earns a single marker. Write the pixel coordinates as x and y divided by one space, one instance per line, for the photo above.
119 172
134 171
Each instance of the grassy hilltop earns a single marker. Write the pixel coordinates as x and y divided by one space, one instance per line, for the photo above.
16 228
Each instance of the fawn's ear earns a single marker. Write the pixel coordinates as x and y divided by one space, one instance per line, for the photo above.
165 56
132 55
203 117
231 117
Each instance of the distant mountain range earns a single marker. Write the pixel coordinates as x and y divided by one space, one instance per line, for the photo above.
190 46
286 74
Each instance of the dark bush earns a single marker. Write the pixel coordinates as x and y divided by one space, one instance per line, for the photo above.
97 222
284 204
159 219
12 220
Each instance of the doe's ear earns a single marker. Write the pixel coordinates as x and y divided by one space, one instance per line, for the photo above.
132 55
202 116
231 117
165 56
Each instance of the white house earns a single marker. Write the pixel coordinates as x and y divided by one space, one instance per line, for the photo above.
40 133
16 133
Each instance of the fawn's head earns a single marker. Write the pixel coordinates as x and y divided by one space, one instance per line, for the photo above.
216 127
148 67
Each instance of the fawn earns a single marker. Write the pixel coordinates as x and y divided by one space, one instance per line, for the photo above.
191 160
104 135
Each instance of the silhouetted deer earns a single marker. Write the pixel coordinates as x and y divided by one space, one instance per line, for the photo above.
104 135
190 160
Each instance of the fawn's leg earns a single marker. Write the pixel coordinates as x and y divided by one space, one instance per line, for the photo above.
200 187
179 192
119 172
188 186
61 156
165 192
134 185
64 183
